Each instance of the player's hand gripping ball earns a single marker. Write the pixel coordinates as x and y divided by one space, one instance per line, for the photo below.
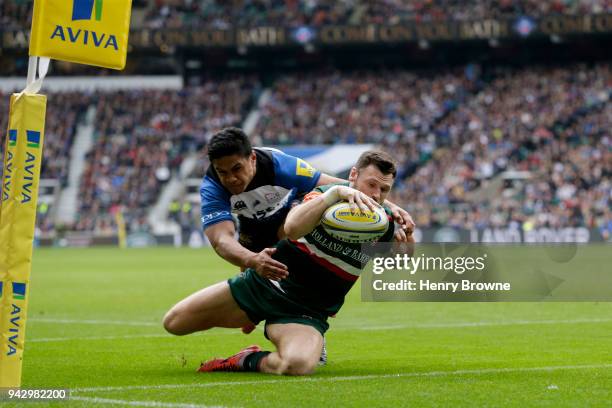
354 227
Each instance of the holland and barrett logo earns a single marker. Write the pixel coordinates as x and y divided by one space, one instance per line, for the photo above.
83 9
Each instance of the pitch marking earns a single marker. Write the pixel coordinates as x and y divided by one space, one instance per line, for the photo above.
363 328
344 378
140 403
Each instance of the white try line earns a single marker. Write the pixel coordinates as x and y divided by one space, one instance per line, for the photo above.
294 380
364 326
340 327
95 322
107 401
475 324
127 337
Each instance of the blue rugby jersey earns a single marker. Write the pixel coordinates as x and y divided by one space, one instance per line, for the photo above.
261 209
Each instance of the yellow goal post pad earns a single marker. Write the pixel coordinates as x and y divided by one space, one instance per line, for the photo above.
20 181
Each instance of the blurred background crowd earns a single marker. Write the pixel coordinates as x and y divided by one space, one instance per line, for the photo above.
451 132
478 145
219 14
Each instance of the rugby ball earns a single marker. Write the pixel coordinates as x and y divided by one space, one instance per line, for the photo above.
354 227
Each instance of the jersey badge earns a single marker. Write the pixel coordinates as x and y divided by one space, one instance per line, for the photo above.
304 169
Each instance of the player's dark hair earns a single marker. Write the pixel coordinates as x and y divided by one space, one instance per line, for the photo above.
383 161
228 142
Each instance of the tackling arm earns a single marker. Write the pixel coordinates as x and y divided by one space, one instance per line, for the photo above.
221 237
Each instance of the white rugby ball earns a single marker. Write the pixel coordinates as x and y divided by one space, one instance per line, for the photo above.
339 222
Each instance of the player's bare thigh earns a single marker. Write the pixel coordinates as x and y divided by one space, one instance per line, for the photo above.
298 349
213 306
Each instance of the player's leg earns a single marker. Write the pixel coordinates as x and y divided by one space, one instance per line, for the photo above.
298 349
213 306
247 329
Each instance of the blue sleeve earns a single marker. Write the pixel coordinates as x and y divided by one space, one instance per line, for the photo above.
292 172
216 205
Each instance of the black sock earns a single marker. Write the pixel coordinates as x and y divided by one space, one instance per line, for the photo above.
251 362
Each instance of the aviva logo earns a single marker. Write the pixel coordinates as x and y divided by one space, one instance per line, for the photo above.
19 291
12 137
33 138
82 9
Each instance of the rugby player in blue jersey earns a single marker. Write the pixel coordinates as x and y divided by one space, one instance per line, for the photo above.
296 304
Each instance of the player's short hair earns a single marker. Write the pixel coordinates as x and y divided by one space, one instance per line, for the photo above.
228 142
383 161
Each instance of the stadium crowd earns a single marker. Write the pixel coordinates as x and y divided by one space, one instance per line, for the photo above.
216 14
551 122
15 14
528 147
141 140
63 111
357 107
222 15
455 132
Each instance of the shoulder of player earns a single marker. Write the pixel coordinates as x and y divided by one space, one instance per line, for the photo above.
266 165
211 186
276 157
326 187
268 150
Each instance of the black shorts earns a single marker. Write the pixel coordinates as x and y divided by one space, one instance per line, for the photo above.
261 300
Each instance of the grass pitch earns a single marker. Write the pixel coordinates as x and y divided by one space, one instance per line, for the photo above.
94 327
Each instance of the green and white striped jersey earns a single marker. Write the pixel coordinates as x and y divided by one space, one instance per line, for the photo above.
322 269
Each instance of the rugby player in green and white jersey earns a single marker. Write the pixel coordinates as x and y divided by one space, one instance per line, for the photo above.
295 309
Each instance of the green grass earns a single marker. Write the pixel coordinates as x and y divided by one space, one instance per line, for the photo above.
94 321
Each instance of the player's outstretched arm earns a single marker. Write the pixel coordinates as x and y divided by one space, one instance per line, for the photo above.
303 218
327 179
222 239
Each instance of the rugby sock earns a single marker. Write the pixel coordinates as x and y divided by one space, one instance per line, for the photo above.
251 362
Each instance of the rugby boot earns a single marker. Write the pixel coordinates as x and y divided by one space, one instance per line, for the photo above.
232 363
